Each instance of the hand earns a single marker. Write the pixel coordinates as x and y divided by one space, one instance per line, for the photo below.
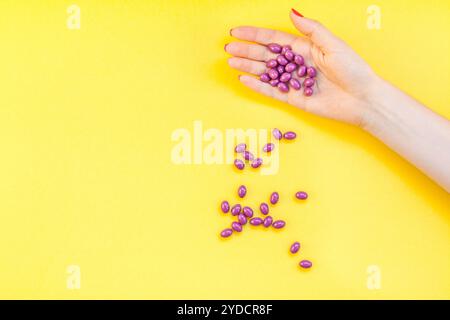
344 83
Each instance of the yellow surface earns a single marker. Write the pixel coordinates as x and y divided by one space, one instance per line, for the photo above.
86 176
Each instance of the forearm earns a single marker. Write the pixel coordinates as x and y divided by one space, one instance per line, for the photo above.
412 130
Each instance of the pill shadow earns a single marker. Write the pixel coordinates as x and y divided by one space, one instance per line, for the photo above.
411 177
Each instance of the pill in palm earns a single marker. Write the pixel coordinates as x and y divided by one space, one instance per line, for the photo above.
282 60
242 191
280 69
273 73
301 72
311 71
285 49
274 82
264 77
285 77
274 47
295 247
298 59
308 82
308 91
272 63
290 67
289 55
225 206
274 197
283 87
295 84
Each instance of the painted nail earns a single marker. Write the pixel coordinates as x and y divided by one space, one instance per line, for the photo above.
297 13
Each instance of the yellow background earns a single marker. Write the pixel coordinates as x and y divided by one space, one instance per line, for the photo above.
86 177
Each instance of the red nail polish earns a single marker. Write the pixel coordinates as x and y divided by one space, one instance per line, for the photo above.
296 12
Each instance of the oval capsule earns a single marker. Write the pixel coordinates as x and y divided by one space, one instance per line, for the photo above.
282 60
242 191
274 47
301 195
236 209
239 164
257 163
295 247
295 84
272 63
264 208
225 206
299 60
274 197
248 212
290 135
274 82
242 219
285 77
305 264
268 147
289 55
290 67
256 221
311 71
301 72
236 226
264 77
278 224
285 49
226 233
283 87
248 155
308 92
241 147
267 221
277 134
309 82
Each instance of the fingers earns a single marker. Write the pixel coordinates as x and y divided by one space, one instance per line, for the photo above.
263 88
319 35
246 65
249 51
262 36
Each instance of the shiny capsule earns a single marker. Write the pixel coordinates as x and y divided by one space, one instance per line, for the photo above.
308 92
241 147
274 197
264 77
267 221
225 206
268 147
282 60
272 63
256 221
274 47
239 164
283 87
301 195
242 219
289 55
280 69
295 84
290 67
257 163
236 209
264 208
236 226
290 135
278 224
311 71
301 72
242 191
273 74
298 59
248 155
226 233
309 82
305 264
285 49
285 77
248 212
277 134
274 82
295 247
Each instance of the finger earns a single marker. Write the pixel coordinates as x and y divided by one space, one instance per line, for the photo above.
249 51
262 36
319 35
246 65
263 88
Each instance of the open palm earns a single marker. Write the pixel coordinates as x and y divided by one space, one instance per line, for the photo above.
344 80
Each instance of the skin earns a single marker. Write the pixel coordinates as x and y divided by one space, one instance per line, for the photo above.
348 90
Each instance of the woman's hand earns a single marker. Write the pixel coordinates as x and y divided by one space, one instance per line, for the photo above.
344 82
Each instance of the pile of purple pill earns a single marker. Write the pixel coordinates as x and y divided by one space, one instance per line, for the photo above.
287 69
245 214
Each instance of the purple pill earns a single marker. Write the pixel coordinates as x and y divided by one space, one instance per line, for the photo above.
268 147
264 77
273 74
285 49
225 206
274 197
289 55
277 134
290 135
311 71
236 209
248 155
308 92
268 221
242 219
305 264
241 147
290 67
295 247
283 87
264 208
298 59
278 224
301 72
274 82
257 163
282 60
239 164
280 69
236 226
302 195
256 221
242 191
309 82
285 77
248 212
226 233
295 84
272 63
274 47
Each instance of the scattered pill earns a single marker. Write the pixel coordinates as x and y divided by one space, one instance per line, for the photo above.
274 47
242 191
290 135
295 84
274 197
236 226
236 209
302 195
226 233
278 224
268 147
295 247
267 221
306 264
257 163
248 155
225 206
239 164
264 208
242 219
248 212
256 221
277 134
241 147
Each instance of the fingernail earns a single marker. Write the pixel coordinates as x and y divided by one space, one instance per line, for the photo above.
225 48
296 12
231 32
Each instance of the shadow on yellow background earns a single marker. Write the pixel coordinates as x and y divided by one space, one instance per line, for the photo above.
92 205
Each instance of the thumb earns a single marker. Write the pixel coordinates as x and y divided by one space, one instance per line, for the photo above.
316 32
